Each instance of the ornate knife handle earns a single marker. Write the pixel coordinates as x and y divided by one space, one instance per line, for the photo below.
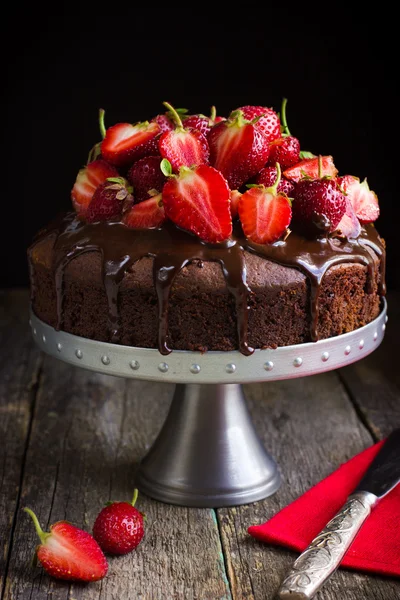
324 554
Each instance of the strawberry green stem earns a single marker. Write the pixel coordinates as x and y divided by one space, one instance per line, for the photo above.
213 113
119 180
273 189
283 117
42 534
102 112
237 118
175 115
135 496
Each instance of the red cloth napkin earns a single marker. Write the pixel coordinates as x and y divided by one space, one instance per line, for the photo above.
376 548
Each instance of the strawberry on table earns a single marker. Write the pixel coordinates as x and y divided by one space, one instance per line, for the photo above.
125 143
265 213
70 553
317 166
110 200
183 147
147 214
237 149
119 527
198 200
145 175
363 200
266 120
87 180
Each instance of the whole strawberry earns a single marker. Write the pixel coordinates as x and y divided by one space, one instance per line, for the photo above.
119 527
70 553
110 200
268 175
318 206
268 122
237 149
203 123
146 175
286 149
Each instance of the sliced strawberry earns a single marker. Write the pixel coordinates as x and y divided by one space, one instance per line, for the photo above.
268 122
349 226
235 197
88 179
110 200
183 147
146 175
68 552
237 149
265 213
199 200
310 167
125 143
148 214
364 201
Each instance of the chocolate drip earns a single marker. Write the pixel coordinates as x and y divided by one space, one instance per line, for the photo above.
172 249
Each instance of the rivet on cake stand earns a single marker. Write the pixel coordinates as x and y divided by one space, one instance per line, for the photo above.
207 453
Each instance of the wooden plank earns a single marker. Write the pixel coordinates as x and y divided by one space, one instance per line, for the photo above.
19 371
374 383
89 431
310 427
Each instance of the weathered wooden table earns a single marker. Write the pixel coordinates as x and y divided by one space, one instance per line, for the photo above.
69 439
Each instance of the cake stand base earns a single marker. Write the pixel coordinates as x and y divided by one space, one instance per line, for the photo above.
208 453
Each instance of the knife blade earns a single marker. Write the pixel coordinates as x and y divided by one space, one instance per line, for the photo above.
323 556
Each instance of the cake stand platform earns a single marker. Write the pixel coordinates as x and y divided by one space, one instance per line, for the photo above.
207 453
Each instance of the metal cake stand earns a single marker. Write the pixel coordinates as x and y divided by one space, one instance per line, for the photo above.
207 453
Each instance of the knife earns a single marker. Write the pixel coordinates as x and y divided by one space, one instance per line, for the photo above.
323 556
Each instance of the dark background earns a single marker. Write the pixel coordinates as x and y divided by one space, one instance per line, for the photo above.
61 66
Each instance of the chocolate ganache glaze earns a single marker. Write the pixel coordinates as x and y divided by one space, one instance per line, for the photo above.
172 249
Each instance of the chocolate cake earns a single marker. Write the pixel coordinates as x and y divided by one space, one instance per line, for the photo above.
168 273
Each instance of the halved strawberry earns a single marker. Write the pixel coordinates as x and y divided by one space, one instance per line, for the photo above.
70 553
87 180
124 143
349 226
264 213
364 201
199 200
235 197
148 214
183 147
237 149
316 167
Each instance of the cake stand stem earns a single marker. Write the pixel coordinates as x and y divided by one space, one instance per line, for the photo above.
207 453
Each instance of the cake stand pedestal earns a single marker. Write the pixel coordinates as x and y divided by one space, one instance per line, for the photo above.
207 453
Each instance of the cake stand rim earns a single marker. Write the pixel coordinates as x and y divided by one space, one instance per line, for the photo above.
215 367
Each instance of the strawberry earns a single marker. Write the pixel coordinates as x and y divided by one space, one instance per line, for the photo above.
125 143
267 177
166 121
70 553
237 149
109 200
268 122
363 200
145 175
286 149
318 206
148 214
349 226
88 179
235 197
119 527
198 200
183 147
203 123
264 213
310 167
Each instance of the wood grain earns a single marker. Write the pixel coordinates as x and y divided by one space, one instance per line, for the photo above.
19 374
